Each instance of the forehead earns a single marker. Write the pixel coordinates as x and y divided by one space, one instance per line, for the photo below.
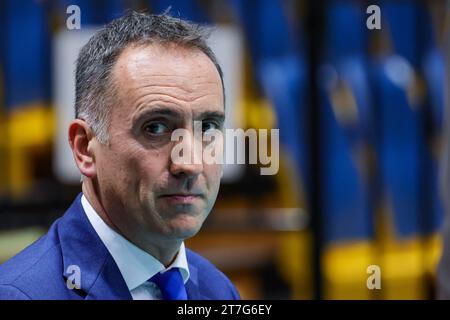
184 74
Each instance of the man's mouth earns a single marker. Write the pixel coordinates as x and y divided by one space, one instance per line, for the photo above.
182 198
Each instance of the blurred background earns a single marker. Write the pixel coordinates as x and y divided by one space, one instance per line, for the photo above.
360 113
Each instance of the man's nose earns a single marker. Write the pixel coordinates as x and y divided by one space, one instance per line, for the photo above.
190 164
186 169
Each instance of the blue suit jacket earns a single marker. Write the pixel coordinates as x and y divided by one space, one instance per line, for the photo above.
42 269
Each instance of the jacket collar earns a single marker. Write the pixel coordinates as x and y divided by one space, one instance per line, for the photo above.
193 284
100 277
80 245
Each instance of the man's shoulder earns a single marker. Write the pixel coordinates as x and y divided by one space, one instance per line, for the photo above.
28 259
201 263
33 270
210 278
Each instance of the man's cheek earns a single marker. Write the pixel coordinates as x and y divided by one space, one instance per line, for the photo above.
213 171
218 174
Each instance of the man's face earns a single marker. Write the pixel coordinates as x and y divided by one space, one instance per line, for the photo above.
159 88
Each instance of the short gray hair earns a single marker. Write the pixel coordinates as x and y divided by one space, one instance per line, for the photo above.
94 86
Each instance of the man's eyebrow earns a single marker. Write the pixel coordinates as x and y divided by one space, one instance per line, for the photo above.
159 111
164 111
212 114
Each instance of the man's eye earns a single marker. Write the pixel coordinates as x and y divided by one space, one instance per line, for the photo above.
209 125
155 128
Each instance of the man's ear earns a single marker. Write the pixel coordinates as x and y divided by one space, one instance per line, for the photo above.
81 140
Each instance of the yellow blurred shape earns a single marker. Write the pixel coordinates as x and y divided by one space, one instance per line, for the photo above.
294 263
259 114
344 270
26 128
407 268
13 241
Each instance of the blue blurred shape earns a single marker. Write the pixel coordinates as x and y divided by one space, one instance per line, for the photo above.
408 170
25 52
184 9
347 133
279 67
97 12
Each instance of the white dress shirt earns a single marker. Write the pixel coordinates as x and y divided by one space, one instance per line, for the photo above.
135 265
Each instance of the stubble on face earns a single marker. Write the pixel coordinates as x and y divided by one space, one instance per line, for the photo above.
147 196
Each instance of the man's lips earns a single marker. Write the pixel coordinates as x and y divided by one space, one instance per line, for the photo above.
182 198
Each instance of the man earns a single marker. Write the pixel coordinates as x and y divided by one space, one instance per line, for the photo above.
137 81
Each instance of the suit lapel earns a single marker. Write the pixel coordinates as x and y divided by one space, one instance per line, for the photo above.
192 286
110 284
81 247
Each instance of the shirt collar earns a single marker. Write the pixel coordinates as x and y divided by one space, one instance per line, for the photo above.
135 265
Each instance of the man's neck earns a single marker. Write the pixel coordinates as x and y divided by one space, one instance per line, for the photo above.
165 252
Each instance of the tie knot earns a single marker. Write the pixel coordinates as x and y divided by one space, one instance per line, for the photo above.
171 284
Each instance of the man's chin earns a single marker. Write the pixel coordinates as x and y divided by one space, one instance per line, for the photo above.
185 228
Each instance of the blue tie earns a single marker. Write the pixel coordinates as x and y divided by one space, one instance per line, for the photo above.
171 284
